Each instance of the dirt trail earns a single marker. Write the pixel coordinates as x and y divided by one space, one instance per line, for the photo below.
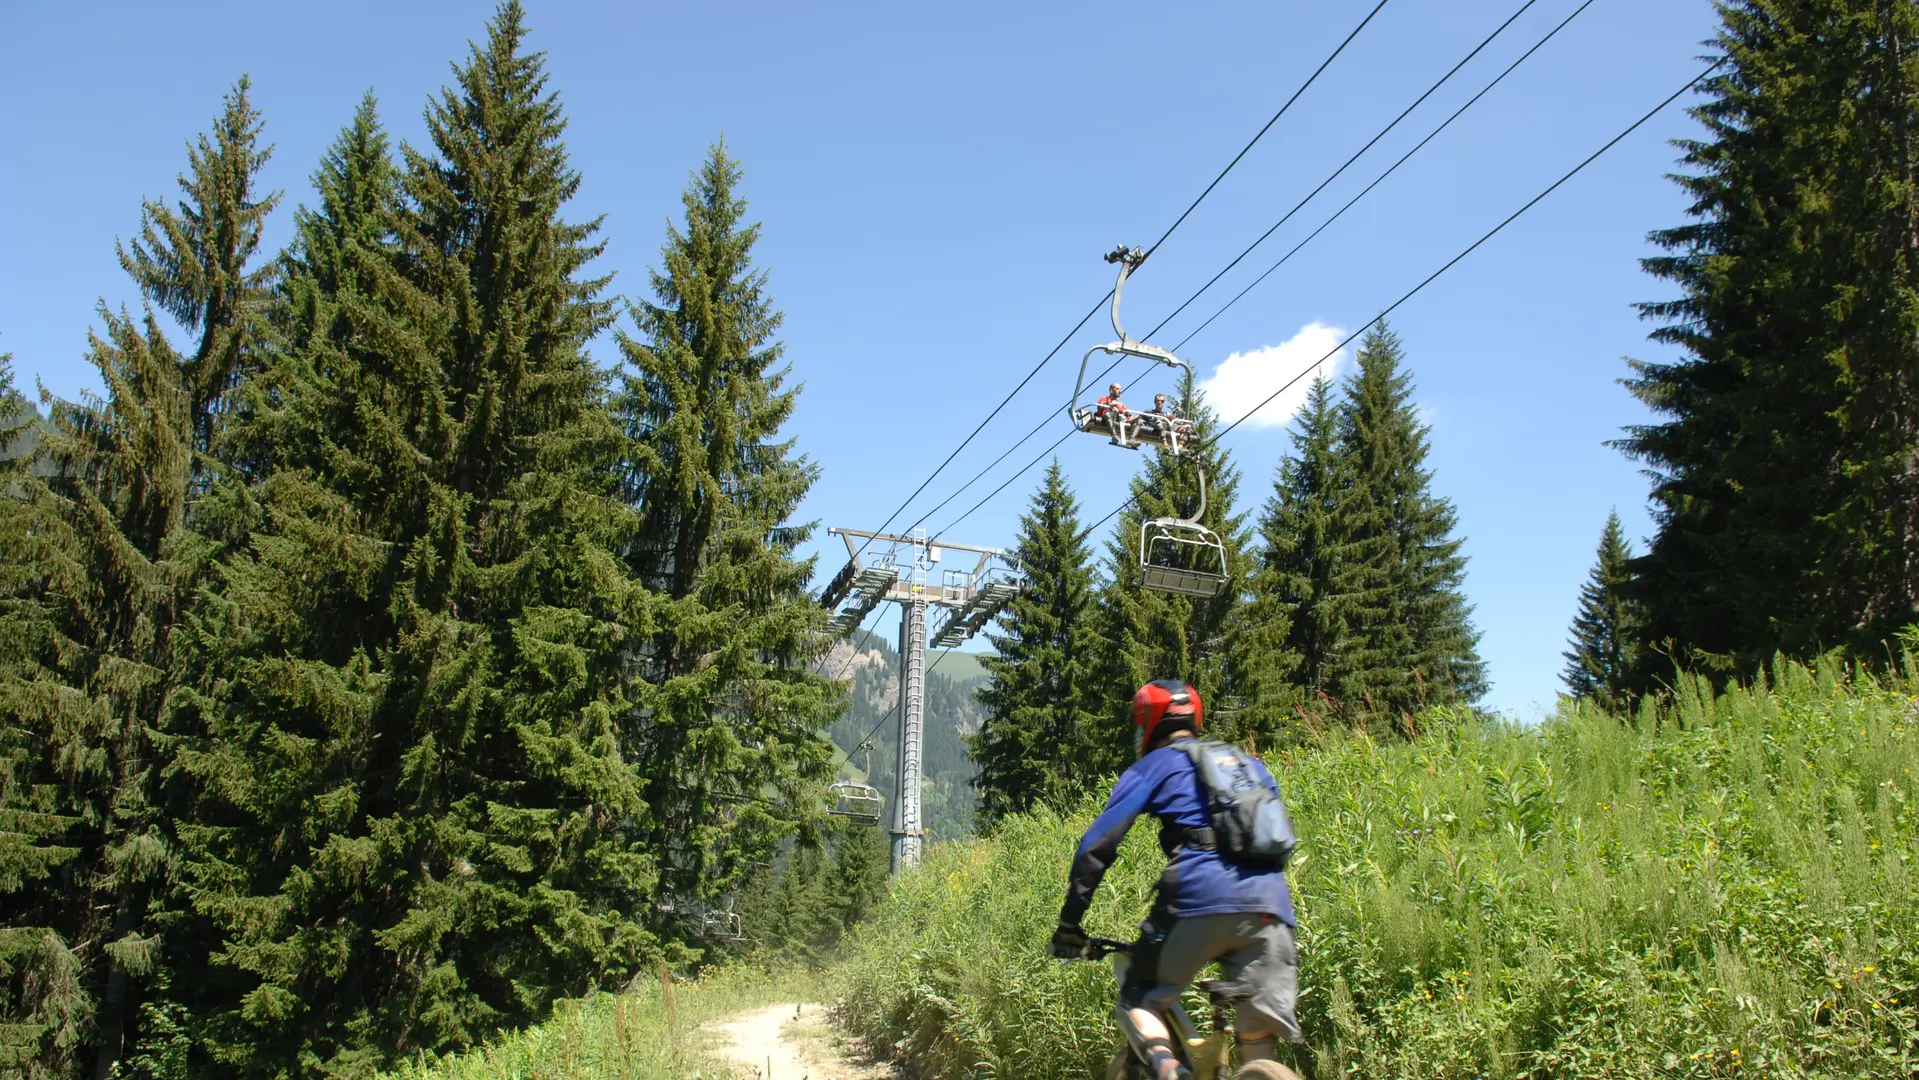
790 1041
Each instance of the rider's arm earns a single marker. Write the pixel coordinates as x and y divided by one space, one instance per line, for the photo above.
1100 845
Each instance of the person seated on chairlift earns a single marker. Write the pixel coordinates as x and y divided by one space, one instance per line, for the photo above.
1164 423
1160 419
1112 411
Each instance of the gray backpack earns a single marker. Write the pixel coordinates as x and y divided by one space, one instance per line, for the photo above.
1250 824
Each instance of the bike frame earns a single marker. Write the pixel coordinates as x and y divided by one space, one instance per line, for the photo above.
1206 1053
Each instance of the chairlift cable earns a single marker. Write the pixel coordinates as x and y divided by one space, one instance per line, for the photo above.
1457 113
1310 79
891 709
1455 260
1094 310
1337 214
1357 154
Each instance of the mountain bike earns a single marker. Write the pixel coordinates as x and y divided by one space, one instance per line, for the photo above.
1205 1053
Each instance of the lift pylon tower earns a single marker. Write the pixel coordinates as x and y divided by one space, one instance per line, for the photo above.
882 568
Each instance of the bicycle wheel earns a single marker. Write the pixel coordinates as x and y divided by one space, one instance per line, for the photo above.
1124 1066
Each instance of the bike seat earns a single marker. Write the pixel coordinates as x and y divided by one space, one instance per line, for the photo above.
1227 991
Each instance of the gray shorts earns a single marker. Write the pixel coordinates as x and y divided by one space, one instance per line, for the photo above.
1256 949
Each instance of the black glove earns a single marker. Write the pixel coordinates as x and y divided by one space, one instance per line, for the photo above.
1070 942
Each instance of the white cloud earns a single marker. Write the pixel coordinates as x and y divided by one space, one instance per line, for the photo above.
1247 378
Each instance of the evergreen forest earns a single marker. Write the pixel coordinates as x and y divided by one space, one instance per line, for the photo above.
382 674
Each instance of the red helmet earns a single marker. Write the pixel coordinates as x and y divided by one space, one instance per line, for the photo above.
1162 704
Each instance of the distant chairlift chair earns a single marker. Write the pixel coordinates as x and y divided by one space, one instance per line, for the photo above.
859 802
722 922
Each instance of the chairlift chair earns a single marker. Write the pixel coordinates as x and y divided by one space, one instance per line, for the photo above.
1128 429
722 924
719 920
859 802
1181 556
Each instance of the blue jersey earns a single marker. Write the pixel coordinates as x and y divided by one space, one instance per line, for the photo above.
1195 882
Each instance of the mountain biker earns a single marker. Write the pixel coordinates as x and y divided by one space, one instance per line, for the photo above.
1205 908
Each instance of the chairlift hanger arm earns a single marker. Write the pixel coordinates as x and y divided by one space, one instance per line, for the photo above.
1128 260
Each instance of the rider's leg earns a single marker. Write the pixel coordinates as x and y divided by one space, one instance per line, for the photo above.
1269 962
1151 1038
1262 1047
1169 955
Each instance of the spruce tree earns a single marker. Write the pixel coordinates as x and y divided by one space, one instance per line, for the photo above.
421 823
1413 643
195 261
43 1007
1296 639
1040 717
97 596
728 704
1604 656
1786 456
1153 635
334 437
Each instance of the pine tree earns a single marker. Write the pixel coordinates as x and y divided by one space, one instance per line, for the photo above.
1146 634
1413 640
192 262
1033 744
1605 632
421 824
728 703
98 593
335 438
856 882
1296 636
43 1007
1786 460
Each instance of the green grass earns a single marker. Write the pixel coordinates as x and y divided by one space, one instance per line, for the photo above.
961 665
1723 888
626 1036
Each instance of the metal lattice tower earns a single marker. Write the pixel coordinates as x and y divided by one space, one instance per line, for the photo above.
889 568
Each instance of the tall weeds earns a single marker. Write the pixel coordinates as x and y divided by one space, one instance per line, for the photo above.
1723 886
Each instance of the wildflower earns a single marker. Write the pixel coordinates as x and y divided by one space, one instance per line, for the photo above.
1869 969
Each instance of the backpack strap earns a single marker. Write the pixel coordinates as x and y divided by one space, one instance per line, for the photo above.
1202 838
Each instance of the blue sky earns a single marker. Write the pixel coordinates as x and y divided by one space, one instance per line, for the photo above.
937 183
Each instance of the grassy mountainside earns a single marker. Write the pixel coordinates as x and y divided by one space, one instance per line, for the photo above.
952 713
1723 888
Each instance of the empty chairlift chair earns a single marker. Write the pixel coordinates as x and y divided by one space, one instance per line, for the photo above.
857 802
1179 555
721 921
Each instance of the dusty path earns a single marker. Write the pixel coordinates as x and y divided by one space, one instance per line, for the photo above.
790 1041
